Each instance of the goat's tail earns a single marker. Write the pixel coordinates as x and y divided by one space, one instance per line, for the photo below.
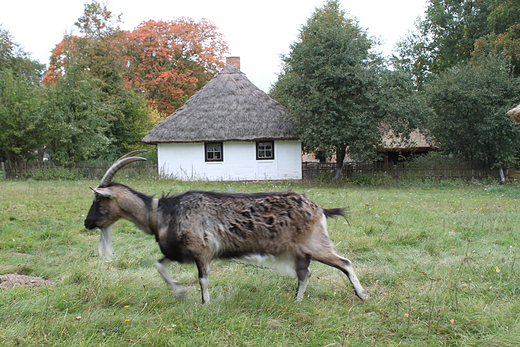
331 212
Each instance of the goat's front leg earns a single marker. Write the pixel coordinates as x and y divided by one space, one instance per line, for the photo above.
175 286
203 267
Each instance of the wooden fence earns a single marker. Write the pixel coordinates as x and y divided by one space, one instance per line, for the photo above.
48 170
461 170
311 171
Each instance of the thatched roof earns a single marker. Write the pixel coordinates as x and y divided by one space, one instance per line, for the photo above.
417 140
515 113
228 108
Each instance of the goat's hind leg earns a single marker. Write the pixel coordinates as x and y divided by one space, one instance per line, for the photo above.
303 273
349 271
203 268
175 286
332 259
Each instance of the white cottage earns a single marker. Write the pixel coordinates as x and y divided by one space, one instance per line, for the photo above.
229 130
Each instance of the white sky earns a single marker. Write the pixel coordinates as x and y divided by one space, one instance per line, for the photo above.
257 31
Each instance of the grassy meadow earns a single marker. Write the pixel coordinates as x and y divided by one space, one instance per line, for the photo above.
440 261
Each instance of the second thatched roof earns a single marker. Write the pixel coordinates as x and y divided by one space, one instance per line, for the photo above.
416 140
515 113
228 108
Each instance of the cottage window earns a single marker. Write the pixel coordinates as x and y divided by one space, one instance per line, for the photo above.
214 151
265 150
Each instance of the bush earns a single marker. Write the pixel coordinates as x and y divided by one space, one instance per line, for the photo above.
365 180
54 173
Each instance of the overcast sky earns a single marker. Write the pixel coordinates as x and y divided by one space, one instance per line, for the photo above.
257 31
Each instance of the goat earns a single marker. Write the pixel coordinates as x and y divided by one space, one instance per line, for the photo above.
198 226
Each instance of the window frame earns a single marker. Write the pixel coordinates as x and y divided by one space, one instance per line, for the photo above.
258 150
206 152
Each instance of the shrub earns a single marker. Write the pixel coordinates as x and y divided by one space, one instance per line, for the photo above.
54 173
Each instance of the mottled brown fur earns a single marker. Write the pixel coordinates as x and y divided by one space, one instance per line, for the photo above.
229 225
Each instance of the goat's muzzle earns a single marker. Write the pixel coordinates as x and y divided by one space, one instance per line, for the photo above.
90 224
92 216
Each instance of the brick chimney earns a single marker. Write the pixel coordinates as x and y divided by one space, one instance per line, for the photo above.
233 61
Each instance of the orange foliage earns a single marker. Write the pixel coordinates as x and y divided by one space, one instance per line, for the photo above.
58 61
167 60
101 56
171 60
506 44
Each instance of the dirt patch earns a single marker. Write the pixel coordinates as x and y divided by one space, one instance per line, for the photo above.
10 280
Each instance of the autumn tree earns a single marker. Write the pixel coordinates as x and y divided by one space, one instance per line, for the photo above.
98 48
98 53
329 82
170 60
126 92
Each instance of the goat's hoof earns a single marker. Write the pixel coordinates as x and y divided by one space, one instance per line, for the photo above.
363 295
180 292
298 298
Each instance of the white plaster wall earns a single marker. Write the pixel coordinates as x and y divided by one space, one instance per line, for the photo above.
289 155
185 161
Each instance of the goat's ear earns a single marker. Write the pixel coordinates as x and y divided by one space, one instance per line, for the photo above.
105 192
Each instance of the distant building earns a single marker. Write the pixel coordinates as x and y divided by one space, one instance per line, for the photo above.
396 148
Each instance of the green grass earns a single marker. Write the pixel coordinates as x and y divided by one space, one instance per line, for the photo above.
441 263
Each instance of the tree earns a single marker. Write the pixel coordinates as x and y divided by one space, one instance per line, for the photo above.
75 112
454 32
15 59
122 84
465 56
96 56
97 49
19 117
98 21
413 57
452 26
170 60
444 38
504 36
20 97
402 104
329 83
167 61
470 104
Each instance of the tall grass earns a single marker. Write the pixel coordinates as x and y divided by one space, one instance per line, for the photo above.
440 262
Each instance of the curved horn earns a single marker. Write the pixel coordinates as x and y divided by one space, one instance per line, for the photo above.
131 154
124 160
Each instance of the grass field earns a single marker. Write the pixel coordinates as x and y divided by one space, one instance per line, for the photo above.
440 261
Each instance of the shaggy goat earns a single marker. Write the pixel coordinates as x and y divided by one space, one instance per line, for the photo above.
199 226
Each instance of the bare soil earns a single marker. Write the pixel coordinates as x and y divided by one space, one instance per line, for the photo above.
10 280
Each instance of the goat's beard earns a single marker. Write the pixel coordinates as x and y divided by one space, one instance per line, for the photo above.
105 245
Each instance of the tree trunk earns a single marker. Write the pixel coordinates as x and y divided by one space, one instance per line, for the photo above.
340 156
